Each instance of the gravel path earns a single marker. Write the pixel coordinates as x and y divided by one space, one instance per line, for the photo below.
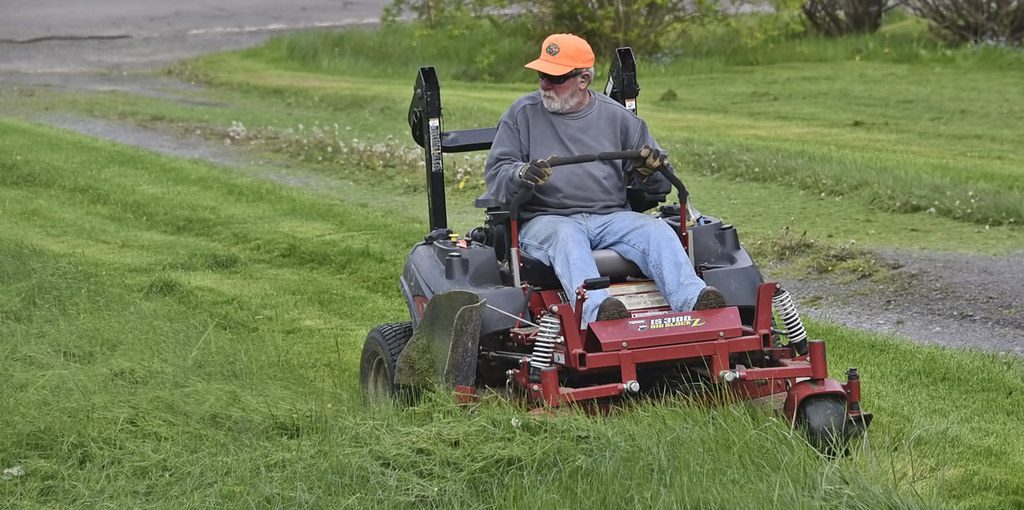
949 299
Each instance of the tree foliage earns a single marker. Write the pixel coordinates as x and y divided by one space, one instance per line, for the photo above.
973 21
835 18
646 25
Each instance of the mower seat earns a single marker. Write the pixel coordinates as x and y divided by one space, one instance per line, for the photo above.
609 263
542 276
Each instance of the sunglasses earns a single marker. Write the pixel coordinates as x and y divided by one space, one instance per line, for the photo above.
558 80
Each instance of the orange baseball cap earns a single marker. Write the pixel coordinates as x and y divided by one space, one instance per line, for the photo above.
561 53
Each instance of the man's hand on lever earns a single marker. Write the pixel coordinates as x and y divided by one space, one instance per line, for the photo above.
651 160
535 173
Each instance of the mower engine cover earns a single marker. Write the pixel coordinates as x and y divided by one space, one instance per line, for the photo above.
436 267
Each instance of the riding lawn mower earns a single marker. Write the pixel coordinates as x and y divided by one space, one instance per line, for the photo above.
484 317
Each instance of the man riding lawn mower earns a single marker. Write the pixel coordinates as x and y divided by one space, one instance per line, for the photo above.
568 294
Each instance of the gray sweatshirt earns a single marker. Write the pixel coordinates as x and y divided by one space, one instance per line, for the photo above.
528 131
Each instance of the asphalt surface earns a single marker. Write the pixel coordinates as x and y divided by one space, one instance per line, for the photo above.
76 36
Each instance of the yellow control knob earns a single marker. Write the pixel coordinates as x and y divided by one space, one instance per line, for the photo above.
454 237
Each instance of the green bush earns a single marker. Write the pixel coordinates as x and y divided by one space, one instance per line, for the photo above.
648 26
834 18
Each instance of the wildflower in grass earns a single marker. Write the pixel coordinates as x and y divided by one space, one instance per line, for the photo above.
12 472
236 132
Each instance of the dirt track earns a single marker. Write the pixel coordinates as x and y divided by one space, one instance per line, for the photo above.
949 299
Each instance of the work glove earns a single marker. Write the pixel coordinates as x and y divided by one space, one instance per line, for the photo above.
536 172
651 160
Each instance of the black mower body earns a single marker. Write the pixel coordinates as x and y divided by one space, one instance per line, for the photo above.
724 264
439 266
435 266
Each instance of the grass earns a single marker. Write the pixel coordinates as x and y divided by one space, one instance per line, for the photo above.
897 148
903 167
173 332
478 54
760 40
176 332
892 121
825 222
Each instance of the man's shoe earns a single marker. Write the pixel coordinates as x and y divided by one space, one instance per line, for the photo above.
708 298
612 309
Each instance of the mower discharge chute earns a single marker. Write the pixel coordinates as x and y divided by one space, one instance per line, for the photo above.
444 346
485 316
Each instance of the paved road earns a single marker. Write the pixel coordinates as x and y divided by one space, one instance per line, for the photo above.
70 36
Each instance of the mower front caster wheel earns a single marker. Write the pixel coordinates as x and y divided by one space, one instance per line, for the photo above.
823 419
380 356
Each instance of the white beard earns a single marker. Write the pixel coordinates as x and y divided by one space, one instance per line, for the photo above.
555 104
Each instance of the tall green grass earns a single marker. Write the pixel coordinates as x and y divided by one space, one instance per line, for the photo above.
482 52
491 50
752 40
173 334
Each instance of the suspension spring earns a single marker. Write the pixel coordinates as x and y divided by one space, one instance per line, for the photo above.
544 342
794 327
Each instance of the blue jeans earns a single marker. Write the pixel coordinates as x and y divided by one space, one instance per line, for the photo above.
565 243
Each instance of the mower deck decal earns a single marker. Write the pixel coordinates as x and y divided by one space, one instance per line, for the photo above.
670 328
676 321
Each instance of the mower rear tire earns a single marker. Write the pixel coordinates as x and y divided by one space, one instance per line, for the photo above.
823 419
383 345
